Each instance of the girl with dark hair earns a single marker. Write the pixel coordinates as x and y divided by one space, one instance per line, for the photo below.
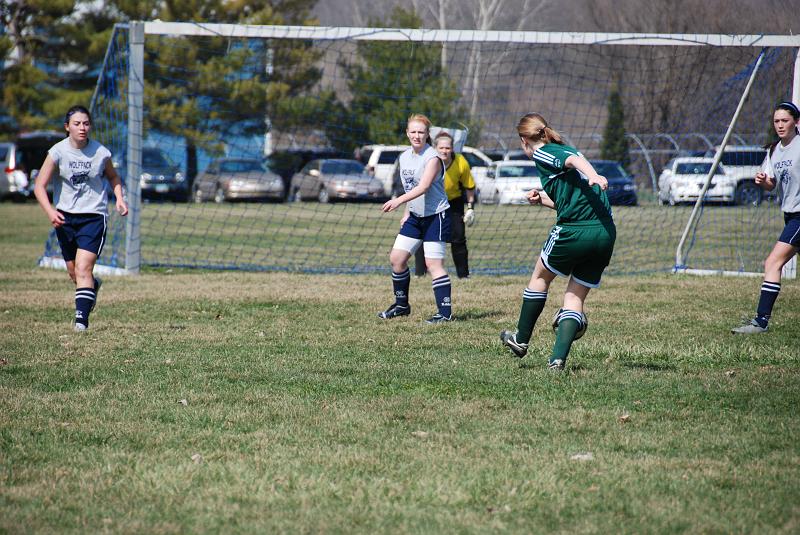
579 246
781 167
81 204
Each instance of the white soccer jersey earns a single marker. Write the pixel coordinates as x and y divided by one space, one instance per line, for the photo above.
784 165
412 165
79 187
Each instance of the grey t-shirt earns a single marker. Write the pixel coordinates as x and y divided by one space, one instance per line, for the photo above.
784 165
412 166
79 187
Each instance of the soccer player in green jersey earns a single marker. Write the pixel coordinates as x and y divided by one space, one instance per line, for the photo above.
580 243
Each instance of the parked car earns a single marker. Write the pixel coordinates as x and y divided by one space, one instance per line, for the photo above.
621 187
479 164
287 162
742 162
510 181
228 179
682 180
335 179
160 178
516 154
380 162
494 154
22 160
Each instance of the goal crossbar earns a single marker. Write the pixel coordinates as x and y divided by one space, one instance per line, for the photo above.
484 36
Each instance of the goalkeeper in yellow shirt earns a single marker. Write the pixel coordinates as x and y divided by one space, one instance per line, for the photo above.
460 187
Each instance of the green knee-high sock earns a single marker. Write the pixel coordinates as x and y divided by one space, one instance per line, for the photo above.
532 306
567 329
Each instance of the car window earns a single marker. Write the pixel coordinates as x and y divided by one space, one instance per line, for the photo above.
609 169
3 152
309 166
697 168
240 166
364 156
513 171
754 157
516 155
342 167
473 160
388 156
154 158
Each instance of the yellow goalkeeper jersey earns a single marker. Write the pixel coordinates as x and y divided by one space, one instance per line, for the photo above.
458 177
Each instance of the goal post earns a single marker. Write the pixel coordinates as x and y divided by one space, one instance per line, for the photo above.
193 94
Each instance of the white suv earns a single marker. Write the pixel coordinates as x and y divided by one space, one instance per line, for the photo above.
380 162
742 162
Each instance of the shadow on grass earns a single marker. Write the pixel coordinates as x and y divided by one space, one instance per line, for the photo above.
477 314
649 366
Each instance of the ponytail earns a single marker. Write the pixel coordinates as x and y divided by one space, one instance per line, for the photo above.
533 127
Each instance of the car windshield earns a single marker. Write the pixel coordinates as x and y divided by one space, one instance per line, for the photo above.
697 168
240 166
742 157
513 171
517 155
342 167
388 156
154 158
609 169
3 152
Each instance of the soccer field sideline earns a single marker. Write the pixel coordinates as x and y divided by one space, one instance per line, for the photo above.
207 401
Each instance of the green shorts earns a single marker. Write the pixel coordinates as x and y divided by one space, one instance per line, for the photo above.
582 250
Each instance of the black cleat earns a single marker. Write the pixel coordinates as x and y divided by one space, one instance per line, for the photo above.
395 311
438 318
509 339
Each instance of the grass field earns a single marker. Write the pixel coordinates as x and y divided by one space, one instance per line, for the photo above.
274 402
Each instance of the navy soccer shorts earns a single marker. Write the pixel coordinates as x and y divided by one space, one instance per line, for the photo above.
791 232
81 231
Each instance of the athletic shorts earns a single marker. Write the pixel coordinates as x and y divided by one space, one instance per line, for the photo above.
582 250
791 232
430 228
81 231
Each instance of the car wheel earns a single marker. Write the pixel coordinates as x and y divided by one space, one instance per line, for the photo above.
197 195
323 195
219 195
747 193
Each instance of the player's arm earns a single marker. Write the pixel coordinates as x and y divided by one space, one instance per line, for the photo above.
40 192
116 186
428 176
582 164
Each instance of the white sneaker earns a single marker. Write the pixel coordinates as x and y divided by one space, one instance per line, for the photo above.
751 327
80 327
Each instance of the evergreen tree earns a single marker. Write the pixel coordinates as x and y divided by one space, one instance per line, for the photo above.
210 88
389 81
615 144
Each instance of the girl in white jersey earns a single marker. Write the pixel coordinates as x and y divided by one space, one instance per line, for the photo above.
426 222
782 165
79 165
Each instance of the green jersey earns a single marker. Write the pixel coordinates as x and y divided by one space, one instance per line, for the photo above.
574 199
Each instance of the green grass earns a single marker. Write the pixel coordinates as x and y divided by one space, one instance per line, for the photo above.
311 415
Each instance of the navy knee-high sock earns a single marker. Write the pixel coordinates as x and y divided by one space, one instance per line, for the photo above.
769 293
441 292
401 282
84 299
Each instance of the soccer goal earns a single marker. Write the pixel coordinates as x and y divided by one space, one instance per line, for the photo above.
225 134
